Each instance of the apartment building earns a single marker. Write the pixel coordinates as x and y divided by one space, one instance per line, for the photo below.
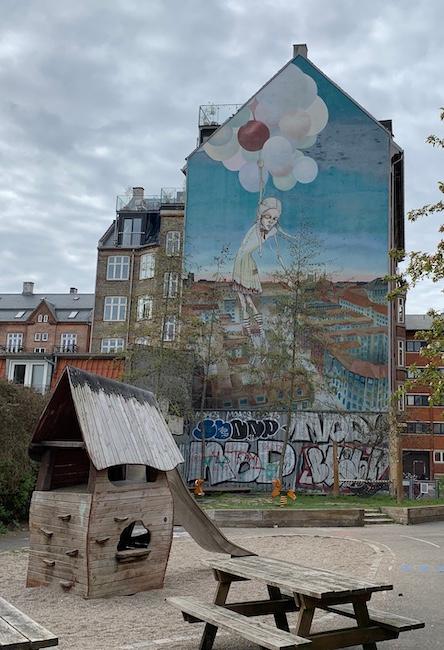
139 273
36 328
423 437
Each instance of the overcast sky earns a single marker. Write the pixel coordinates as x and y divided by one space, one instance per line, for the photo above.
100 95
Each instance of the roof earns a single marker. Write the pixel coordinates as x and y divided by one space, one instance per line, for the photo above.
418 322
119 424
60 304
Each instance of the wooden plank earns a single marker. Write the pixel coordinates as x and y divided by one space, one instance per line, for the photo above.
11 639
315 583
350 636
384 619
263 634
37 635
66 444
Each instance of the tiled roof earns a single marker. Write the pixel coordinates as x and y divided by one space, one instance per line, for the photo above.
62 304
417 322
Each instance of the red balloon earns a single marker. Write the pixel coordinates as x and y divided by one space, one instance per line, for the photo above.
253 135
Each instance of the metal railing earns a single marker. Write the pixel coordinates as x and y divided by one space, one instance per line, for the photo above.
11 349
66 349
215 114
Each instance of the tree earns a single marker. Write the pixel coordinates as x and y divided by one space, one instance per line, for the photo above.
19 410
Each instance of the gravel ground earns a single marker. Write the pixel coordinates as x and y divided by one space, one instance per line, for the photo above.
144 621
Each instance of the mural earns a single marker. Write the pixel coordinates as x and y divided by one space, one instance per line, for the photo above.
244 448
300 156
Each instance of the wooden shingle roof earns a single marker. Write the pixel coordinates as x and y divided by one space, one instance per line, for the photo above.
119 424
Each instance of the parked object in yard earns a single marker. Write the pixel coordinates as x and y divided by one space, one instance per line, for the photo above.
101 518
18 631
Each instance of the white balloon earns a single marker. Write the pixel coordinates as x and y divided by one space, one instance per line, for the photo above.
221 136
278 156
289 90
224 152
284 183
318 112
250 156
241 117
235 163
295 124
249 177
268 112
305 169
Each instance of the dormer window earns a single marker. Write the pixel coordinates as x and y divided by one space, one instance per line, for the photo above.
19 314
131 231
72 314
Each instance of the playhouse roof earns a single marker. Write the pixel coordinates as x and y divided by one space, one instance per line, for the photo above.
119 424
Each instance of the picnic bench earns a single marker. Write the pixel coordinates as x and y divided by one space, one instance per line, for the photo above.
293 588
19 632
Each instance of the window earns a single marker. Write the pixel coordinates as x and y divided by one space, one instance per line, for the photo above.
117 267
14 342
415 346
418 427
40 318
37 375
170 284
413 373
68 342
243 401
19 314
401 309
169 329
142 340
72 314
112 345
45 318
260 399
417 400
401 359
172 243
147 264
438 427
439 456
37 336
144 308
132 230
44 336
40 350
114 308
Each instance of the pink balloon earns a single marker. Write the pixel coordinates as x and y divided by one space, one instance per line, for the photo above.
235 162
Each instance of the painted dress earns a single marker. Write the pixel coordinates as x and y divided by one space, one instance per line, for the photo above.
245 271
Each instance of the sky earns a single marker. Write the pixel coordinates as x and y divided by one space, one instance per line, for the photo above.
101 95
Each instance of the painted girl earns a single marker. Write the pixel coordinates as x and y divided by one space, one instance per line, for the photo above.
245 272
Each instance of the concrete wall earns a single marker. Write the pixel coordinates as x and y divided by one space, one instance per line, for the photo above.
415 515
287 518
243 448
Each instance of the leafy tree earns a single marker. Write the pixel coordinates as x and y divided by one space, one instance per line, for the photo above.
19 410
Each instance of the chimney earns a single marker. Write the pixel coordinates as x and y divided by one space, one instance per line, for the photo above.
28 289
73 290
138 193
300 49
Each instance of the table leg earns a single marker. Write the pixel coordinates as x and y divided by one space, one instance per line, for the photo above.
210 631
280 618
363 620
305 617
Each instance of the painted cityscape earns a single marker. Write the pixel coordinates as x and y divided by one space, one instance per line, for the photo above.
299 157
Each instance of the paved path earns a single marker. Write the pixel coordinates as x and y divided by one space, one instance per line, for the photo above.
411 557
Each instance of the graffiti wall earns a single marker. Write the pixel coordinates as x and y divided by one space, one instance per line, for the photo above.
298 178
244 449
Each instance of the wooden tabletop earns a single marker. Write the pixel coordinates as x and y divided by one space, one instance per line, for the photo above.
296 578
18 631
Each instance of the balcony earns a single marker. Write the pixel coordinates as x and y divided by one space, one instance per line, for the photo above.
66 349
11 349
131 203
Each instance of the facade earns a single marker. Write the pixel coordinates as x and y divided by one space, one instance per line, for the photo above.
35 329
139 273
423 438
300 186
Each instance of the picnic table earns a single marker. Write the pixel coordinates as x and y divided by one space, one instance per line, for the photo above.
19 632
293 588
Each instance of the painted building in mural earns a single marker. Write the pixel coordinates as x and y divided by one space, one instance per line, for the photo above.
299 161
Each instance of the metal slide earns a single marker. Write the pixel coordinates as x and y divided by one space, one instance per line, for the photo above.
196 522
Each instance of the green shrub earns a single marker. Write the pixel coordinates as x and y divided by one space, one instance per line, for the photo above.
19 410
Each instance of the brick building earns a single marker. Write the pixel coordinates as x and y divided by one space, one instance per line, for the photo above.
139 271
37 328
423 440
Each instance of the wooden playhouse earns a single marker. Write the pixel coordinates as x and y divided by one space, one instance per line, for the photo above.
101 518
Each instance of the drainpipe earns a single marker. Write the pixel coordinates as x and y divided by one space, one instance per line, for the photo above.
130 300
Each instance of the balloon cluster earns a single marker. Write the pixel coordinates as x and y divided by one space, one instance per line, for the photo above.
268 136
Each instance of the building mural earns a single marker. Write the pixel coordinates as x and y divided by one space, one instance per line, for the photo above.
243 449
299 156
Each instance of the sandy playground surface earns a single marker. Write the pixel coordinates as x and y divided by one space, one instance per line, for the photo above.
145 621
